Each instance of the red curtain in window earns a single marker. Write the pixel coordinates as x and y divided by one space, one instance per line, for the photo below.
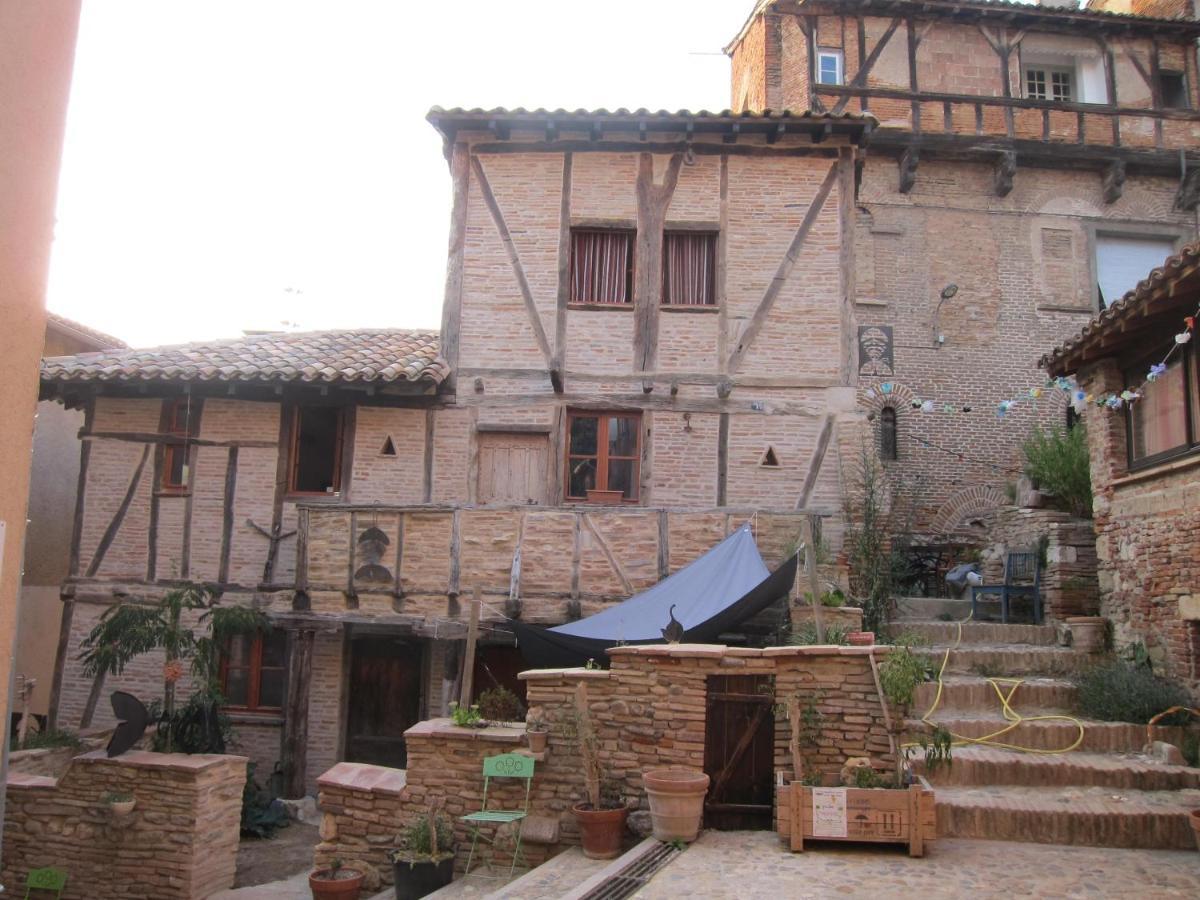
600 266
689 263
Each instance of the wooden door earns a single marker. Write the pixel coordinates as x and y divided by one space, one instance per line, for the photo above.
739 752
385 699
513 468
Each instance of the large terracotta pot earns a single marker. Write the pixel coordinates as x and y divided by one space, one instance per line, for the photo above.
676 802
860 638
325 886
601 830
1194 821
1087 633
537 740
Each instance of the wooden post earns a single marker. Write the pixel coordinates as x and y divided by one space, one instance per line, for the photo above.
794 743
810 563
464 698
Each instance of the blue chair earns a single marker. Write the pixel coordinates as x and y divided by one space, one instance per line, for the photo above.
1022 578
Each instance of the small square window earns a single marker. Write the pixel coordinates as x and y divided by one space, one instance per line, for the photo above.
601 266
1173 87
1049 83
829 66
252 671
603 454
689 268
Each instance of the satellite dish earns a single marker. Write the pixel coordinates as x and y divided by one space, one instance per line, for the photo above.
132 719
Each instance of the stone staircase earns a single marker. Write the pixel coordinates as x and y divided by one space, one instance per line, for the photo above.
1105 792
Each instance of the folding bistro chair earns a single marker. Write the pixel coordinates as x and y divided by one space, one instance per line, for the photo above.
506 765
46 880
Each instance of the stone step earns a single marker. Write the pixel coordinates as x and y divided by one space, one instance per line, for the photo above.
1057 734
946 634
927 609
976 766
1093 816
966 694
1010 660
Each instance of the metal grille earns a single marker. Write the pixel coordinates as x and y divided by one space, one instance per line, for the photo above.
634 876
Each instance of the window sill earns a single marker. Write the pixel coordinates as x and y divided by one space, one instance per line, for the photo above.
690 308
250 717
1186 460
161 492
601 307
297 497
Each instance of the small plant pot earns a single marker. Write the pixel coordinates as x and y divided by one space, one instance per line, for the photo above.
537 740
610 497
676 802
343 884
1194 821
421 878
601 830
1087 633
860 638
122 808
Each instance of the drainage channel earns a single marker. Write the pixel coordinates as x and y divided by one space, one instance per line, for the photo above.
634 876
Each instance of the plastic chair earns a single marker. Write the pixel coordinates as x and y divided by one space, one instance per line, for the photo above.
506 765
47 879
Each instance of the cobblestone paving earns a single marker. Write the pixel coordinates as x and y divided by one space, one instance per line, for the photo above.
753 864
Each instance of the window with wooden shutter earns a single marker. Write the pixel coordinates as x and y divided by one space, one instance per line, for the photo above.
180 423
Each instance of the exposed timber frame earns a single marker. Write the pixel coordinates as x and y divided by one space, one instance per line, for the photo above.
653 202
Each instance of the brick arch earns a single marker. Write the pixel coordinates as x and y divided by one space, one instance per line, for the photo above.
976 500
901 397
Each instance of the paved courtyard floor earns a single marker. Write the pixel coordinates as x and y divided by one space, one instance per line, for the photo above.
753 864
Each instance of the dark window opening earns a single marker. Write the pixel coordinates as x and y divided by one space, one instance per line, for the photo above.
389 447
1073 418
316 450
1173 88
603 454
689 268
181 420
253 671
601 266
770 459
888 449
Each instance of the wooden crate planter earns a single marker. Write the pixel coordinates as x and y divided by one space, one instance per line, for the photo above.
872 814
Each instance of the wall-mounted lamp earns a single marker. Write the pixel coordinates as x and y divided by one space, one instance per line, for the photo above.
947 292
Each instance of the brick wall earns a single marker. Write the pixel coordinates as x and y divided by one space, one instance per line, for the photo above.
180 841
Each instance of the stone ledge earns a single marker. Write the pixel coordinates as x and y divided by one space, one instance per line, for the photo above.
577 673
21 780
144 759
444 728
364 777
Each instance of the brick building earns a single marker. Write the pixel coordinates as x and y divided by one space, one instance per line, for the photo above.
1031 155
1144 460
656 327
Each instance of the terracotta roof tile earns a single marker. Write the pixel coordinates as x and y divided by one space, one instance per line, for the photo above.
365 355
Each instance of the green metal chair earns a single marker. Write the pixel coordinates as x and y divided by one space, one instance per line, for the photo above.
45 880
506 765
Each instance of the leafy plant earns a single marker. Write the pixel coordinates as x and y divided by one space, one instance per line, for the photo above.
1121 691
938 746
428 839
806 635
591 665
535 723
116 797
1137 655
499 704
199 726
833 598
261 815
40 740
465 716
1057 461
900 674
866 777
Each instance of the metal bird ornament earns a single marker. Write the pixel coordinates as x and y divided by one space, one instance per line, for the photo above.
673 633
132 719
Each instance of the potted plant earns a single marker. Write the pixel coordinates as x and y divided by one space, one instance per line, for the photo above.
1088 633
120 803
424 861
602 818
466 716
536 734
676 802
336 882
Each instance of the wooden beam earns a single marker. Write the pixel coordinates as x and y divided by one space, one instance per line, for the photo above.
815 463
468 672
453 589
608 554
722 268
860 77
783 271
722 458
452 303
564 271
185 552
149 437
699 148
427 459
653 202
294 743
814 583
514 259
1004 172
664 547
231 466
114 525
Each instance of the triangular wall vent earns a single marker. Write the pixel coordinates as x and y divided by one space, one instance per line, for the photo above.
389 448
770 459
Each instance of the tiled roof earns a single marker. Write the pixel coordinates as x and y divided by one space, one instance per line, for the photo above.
99 338
366 355
567 115
1159 283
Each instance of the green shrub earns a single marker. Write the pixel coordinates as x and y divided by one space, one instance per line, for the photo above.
1056 460
500 705
416 843
900 674
1120 691
806 635
261 815
40 740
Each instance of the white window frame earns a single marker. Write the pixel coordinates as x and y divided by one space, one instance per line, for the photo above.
839 63
1049 70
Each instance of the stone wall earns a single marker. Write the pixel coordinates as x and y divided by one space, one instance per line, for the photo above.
180 841
648 710
1148 540
1069 584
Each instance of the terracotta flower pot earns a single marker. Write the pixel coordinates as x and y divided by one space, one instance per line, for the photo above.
343 884
1194 821
601 830
860 638
676 802
1087 633
537 740
122 808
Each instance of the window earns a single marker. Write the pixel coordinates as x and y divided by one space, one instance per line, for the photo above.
689 268
1164 423
1121 262
829 67
887 434
601 266
1173 88
316 450
252 671
180 421
603 454
1049 83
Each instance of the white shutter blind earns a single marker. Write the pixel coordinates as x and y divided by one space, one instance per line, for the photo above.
1121 262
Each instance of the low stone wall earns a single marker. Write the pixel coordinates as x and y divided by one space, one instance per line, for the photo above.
648 710
180 841
1069 583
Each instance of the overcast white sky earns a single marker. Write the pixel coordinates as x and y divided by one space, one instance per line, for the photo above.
234 165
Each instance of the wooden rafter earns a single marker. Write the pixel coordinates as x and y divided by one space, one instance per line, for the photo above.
860 78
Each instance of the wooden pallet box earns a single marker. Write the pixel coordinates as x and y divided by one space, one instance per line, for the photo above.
857 814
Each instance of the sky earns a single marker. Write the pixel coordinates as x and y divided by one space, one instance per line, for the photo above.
266 164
